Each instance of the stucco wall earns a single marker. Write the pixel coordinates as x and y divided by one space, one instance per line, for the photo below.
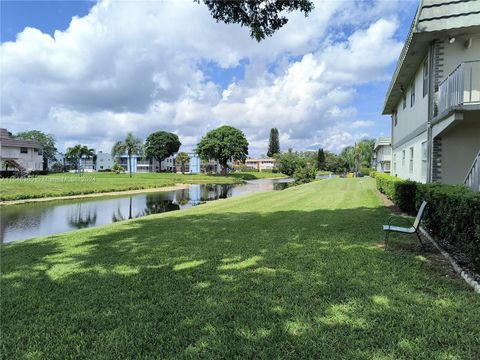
403 170
30 161
411 118
457 53
459 147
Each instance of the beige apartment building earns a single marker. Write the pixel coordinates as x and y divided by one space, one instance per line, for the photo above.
434 96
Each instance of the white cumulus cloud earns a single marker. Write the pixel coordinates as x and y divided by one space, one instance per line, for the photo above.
140 67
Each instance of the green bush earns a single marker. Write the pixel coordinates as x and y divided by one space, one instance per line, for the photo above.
405 194
401 192
288 163
386 184
366 170
453 215
305 174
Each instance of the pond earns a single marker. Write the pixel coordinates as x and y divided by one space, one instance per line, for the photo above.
30 220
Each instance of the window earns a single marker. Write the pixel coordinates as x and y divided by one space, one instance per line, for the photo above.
424 159
40 152
404 99
23 150
394 162
403 158
395 118
412 94
387 166
425 77
410 167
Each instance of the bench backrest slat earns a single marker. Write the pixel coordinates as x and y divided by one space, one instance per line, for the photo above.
419 215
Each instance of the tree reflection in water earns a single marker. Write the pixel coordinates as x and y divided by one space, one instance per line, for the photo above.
81 217
155 206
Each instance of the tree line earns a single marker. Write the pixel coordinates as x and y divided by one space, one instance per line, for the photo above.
224 144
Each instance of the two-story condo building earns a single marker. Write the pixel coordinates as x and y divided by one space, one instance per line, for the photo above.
382 154
20 154
434 96
261 164
105 161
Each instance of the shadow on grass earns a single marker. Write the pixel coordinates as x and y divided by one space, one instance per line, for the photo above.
291 284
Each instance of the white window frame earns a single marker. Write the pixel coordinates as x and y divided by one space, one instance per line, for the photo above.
424 160
412 94
410 165
425 77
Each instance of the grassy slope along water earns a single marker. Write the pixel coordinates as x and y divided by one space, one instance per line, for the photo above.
74 184
290 274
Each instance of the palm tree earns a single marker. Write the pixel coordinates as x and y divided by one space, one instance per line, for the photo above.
182 158
130 146
76 153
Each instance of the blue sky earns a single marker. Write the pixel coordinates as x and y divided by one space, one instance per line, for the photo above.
135 66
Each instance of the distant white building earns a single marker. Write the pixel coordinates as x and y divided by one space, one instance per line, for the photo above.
20 154
261 164
104 161
434 96
382 154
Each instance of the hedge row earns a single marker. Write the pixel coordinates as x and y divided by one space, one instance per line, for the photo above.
401 192
452 214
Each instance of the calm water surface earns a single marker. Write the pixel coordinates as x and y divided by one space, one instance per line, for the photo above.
25 221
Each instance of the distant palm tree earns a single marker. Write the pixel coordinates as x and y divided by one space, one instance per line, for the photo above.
130 146
76 153
182 158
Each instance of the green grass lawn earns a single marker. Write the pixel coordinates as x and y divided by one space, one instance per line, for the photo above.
293 274
75 184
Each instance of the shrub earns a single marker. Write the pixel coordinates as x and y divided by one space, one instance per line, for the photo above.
405 194
39 172
287 163
366 170
401 192
117 168
305 174
244 168
386 184
453 215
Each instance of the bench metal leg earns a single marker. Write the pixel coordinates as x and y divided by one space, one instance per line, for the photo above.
420 240
385 240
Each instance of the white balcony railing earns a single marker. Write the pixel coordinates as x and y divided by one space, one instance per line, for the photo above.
473 177
461 87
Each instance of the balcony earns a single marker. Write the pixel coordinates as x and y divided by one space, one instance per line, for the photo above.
461 88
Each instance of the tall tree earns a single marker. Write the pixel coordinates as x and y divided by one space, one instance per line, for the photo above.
76 153
320 159
223 144
348 159
365 152
332 162
263 17
161 144
182 158
273 143
130 146
289 162
46 140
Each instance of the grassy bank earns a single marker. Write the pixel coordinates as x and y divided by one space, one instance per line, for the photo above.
292 274
74 184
